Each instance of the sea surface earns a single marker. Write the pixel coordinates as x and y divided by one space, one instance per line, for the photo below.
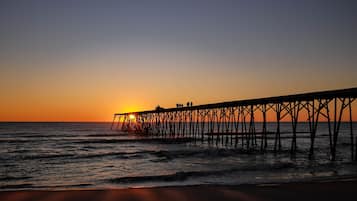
89 155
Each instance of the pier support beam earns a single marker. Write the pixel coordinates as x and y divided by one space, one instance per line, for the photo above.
236 121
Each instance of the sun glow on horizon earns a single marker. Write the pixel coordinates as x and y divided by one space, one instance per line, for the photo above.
132 117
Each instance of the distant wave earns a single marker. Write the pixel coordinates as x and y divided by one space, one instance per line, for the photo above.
11 178
182 176
162 155
42 136
170 155
178 176
46 156
67 186
165 155
14 141
156 156
96 141
17 186
25 133
108 135
121 155
32 186
144 140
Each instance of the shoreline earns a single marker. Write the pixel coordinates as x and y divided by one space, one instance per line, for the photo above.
326 189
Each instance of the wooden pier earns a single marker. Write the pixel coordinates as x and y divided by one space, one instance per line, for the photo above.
236 122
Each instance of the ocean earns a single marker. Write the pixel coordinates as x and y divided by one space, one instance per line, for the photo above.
59 156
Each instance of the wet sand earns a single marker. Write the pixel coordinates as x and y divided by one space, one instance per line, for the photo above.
345 189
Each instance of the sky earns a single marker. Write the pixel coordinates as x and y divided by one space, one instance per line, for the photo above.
85 60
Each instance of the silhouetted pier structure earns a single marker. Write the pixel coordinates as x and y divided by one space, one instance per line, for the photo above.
235 123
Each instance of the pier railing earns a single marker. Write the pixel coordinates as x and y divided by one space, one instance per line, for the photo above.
236 122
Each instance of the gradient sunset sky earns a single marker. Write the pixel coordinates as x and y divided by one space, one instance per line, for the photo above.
85 60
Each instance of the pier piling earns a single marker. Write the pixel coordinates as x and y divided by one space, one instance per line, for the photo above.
235 122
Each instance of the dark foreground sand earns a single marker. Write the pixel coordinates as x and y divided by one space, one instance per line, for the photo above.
327 190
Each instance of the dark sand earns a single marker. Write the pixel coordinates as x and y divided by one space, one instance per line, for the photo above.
327 190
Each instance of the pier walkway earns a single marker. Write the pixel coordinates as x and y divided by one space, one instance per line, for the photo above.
244 122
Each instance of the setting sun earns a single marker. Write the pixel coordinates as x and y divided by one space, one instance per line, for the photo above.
131 117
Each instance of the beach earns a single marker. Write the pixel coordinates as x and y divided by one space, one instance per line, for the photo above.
342 189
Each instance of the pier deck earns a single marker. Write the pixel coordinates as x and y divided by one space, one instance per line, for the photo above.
237 120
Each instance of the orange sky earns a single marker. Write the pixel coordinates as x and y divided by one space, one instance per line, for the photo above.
80 90
83 91
69 96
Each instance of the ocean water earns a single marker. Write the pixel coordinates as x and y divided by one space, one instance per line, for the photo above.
90 155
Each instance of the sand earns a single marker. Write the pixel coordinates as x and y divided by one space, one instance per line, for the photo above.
324 190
